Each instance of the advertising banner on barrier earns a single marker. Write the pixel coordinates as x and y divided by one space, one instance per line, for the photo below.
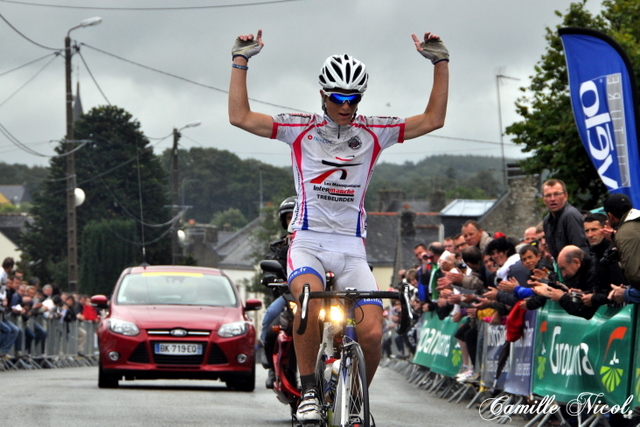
492 347
561 366
603 99
635 380
610 339
521 358
574 356
438 348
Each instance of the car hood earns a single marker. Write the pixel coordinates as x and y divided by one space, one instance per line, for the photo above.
173 316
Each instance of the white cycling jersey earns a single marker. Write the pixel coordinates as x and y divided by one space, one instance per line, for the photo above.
332 166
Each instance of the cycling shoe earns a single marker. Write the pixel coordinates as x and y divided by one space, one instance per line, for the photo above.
309 411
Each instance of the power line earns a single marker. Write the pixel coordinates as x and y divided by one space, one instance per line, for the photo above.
180 77
126 162
463 139
185 79
29 63
192 140
26 148
221 6
28 81
139 220
11 147
25 37
93 78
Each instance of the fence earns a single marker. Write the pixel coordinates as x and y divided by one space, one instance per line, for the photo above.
563 366
54 344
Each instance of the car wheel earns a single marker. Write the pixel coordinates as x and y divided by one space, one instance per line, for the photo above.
105 380
245 383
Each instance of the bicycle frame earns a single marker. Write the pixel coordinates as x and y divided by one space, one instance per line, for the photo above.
350 404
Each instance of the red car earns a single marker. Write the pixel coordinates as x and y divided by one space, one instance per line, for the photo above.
176 322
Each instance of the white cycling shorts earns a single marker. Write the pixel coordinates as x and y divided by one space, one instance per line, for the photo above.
345 256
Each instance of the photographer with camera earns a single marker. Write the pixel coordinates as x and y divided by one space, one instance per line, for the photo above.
579 270
424 269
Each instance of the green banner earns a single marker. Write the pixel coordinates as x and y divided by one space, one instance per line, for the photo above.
438 348
635 381
573 355
610 337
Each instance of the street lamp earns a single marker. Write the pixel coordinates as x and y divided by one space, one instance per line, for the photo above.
174 189
72 239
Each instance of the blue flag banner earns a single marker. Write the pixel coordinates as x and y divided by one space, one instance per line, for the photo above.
603 98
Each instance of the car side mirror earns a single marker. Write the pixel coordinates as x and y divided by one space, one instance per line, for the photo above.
253 304
100 301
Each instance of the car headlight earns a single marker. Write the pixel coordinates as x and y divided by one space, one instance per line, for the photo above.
123 328
233 329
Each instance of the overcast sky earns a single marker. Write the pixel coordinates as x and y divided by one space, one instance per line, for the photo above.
484 37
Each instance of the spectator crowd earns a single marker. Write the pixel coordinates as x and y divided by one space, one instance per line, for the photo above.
581 260
28 311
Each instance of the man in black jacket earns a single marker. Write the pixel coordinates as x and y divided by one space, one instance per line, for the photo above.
579 269
563 225
594 226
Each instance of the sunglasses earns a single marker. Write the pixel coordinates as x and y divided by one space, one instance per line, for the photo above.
341 98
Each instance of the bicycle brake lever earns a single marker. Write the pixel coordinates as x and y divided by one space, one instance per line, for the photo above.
304 308
406 315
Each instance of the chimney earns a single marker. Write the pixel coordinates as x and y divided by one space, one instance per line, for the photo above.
407 223
387 197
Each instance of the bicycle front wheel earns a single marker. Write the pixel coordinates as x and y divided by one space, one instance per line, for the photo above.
351 403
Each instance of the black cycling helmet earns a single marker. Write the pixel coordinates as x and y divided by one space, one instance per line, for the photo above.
288 205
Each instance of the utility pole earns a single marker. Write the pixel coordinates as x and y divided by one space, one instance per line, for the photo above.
72 237
176 255
504 165
174 197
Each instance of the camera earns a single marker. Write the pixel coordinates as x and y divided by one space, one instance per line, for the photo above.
575 296
426 256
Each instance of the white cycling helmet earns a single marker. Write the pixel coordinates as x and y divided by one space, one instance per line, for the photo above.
343 72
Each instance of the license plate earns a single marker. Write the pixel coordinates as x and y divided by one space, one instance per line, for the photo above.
178 349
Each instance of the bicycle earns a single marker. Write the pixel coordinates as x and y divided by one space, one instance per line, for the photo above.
344 396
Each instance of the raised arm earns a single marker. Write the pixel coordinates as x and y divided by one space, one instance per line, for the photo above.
433 117
240 113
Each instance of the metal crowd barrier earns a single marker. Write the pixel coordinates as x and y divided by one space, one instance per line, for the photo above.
66 344
554 372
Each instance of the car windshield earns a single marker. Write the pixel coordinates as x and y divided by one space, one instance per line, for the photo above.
171 288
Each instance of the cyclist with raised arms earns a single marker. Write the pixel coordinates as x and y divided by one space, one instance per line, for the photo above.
333 156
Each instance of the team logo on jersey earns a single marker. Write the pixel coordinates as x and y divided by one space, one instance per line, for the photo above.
354 143
317 138
339 168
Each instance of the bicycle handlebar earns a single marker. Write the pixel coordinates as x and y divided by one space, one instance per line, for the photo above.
353 295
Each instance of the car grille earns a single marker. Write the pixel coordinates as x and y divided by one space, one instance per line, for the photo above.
216 356
167 332
140 354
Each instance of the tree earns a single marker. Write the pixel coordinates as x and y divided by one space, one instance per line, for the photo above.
122 180
17 174
104 257
485 180
213 181
231 218
548 130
